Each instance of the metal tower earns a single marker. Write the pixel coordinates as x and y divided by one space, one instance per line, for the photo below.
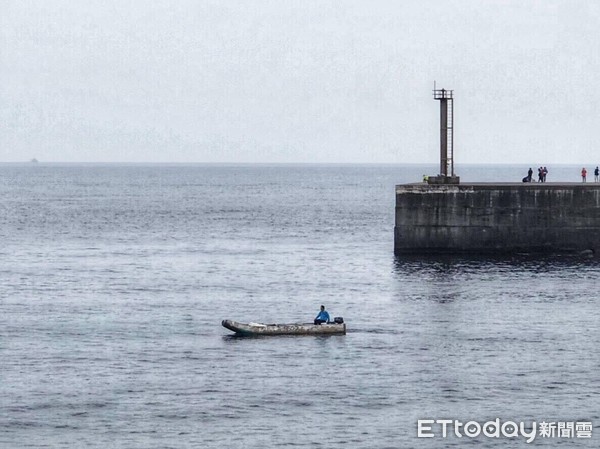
446 175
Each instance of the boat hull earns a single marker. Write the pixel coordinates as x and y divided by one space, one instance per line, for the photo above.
252 329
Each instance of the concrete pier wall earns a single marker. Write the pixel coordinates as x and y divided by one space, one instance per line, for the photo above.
497 218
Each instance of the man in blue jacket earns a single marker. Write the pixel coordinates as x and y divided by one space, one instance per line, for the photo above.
322 317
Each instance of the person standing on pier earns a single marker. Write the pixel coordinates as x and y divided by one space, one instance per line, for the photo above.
583 174
596 174
544 173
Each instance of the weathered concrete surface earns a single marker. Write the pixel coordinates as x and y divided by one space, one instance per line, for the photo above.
497 218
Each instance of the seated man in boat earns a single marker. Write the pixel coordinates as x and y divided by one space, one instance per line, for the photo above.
322 317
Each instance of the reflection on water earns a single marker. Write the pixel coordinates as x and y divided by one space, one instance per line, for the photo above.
114 286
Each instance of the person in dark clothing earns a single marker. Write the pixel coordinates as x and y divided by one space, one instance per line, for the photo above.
529 174
597 174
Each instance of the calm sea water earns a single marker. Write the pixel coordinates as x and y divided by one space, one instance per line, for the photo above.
115 279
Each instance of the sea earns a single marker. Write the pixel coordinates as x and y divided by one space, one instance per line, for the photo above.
114 280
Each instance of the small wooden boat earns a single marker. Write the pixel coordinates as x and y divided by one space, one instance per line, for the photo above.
257 329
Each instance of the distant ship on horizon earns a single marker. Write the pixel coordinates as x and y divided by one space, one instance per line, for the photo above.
34 161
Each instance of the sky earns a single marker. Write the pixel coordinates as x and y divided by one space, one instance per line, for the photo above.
303 81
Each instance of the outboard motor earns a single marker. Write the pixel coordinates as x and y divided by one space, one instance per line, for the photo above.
338 320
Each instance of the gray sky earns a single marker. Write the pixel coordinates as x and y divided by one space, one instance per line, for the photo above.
298 81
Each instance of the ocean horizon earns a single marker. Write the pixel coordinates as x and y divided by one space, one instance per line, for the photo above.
116 276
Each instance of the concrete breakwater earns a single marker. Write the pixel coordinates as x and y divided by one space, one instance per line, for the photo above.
485 218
